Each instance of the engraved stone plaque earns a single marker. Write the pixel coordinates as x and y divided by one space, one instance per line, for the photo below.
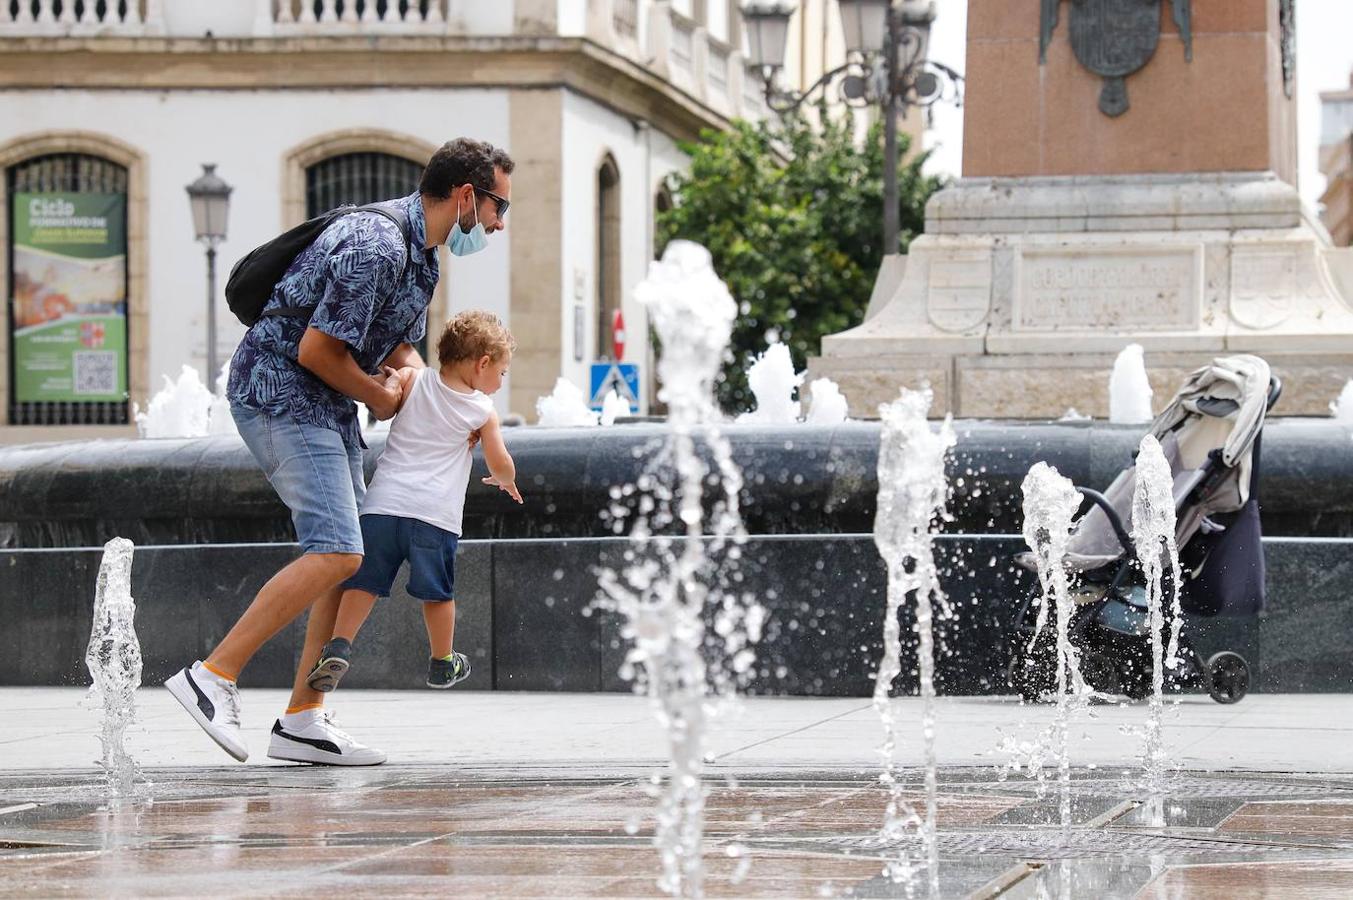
1092 288
959 290
1263 285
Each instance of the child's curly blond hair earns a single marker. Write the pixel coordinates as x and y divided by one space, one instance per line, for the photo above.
473 334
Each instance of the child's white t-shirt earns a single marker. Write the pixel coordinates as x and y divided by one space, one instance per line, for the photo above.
425 467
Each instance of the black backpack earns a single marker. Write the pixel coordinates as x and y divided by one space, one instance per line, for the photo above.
254 277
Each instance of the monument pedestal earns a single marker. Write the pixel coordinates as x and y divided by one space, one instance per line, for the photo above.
1022 291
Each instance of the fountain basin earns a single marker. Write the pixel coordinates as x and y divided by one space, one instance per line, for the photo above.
210 532
521 615
799 480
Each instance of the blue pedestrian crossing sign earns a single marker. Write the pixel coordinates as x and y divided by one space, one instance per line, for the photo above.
623 378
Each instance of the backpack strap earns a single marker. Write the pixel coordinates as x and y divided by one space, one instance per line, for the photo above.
394 215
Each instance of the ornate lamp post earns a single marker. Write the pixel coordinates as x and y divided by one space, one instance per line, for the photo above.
209 196
886 66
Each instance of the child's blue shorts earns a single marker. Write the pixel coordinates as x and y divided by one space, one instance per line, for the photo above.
389 540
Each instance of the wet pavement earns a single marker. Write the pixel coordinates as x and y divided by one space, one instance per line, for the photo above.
509 795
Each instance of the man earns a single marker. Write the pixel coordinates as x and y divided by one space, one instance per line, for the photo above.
292 386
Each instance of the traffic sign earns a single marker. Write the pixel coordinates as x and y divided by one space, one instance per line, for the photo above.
618 334
623 378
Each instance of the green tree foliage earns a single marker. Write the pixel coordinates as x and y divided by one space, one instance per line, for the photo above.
793 217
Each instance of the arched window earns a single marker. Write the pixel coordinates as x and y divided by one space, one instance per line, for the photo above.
357 179
68 290
608 253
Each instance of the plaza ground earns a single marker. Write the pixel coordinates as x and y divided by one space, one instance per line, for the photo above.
546 795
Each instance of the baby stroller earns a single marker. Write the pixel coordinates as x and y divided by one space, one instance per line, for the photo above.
1210 434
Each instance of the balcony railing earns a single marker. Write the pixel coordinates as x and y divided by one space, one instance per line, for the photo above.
79 17
221 18
336 16
717 70
625 18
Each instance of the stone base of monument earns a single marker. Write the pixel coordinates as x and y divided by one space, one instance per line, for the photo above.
1022 291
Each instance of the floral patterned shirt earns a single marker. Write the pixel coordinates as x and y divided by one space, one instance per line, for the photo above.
351 275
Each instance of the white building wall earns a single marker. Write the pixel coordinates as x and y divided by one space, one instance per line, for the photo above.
572 17
644 157
478 17
247 134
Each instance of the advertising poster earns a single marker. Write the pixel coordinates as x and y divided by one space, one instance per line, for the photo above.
69 302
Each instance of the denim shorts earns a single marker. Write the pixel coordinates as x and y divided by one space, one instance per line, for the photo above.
389 541
318 477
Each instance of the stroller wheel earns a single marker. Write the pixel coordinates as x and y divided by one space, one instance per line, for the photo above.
1228 677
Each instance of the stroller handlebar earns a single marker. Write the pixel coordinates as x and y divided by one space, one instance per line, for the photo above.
1275 390
1115 521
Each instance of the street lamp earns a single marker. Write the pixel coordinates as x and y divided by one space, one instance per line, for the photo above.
886 66
767 31
209 197
864 23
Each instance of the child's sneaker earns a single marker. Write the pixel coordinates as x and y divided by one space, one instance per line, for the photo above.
443 673
332 663
214 704
316 738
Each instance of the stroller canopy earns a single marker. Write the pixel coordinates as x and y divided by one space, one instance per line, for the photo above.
1232 387
1220 407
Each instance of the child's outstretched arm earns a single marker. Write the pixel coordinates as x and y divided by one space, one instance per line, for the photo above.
502 471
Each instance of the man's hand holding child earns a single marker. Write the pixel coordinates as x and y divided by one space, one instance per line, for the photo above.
391 394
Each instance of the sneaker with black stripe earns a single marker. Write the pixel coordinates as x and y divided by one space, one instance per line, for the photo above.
445 673
331 665
318 740
214 704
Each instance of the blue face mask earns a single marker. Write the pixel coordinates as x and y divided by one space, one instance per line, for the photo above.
463 243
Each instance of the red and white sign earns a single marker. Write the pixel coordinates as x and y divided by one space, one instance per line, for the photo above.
618 334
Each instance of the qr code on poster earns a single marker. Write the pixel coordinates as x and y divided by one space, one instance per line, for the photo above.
95 371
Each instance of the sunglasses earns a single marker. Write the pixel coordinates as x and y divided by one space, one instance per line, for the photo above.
503 202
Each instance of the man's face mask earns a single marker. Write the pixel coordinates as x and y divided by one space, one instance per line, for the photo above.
464 243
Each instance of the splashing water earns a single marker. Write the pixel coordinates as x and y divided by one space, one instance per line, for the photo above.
828 405
1129 389
614 406
912 494
1050 504
1342 408
114 662
184 408
564 407
219 419
1153 534
773 382
672 585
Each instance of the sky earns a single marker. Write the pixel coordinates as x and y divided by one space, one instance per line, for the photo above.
1324 58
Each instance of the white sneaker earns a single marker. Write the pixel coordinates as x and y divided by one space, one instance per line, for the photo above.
322 742
214 703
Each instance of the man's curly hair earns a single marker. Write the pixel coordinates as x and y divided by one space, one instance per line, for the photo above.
460 161
474 334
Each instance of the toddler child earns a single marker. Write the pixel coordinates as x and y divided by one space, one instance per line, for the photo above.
414 506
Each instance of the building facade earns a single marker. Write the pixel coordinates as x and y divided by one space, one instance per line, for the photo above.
108 110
